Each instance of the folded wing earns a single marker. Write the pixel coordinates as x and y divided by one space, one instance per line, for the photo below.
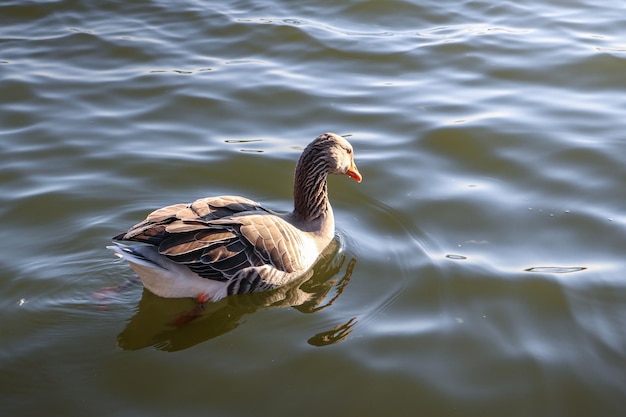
214 239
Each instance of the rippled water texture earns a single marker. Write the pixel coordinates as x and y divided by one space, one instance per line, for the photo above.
478 268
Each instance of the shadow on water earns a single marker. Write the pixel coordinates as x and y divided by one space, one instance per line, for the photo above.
177 324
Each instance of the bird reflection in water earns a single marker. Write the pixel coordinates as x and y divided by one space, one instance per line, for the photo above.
159 322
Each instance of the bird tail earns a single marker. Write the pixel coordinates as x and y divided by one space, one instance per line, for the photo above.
140 254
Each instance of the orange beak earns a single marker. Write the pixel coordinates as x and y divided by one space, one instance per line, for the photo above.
354 173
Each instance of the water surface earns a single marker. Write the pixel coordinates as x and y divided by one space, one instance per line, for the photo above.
478 269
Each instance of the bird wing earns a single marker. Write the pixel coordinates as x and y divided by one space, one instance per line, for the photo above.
217 237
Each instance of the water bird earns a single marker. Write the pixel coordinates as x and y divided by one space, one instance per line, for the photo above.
219 246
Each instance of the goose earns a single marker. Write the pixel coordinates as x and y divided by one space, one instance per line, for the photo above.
219 246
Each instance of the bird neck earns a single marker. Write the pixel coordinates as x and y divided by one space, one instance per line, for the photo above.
310 189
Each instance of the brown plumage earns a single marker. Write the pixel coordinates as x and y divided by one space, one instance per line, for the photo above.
218 246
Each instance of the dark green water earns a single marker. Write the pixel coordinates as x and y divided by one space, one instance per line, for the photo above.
480 266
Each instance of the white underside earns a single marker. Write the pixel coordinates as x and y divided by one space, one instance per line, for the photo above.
166 278
309 252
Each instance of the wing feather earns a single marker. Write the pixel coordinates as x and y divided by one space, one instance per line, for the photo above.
219 237
268 235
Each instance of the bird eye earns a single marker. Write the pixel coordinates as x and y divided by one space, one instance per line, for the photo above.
349 151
